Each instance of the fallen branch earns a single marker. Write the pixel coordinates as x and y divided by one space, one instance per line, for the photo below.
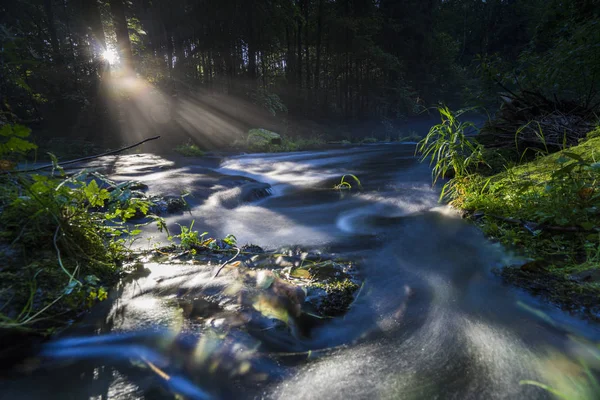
78 160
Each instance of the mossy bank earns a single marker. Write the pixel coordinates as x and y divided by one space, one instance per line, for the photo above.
547 210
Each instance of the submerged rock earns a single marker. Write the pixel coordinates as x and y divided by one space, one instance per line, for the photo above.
245 193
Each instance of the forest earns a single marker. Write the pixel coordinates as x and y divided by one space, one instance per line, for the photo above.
344 63
205 199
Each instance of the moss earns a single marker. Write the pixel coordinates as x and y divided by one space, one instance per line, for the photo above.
595 133
339 297
189 150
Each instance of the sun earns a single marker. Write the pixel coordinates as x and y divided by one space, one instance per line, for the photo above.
110 56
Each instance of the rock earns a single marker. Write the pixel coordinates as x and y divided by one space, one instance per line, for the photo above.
246 193
252 248
333 299
262 137
135 185
175 204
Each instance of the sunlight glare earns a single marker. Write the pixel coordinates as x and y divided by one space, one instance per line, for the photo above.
110 56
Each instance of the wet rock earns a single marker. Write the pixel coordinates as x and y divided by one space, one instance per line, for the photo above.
252 248
175 204
167 204
135 185
254 191
248 192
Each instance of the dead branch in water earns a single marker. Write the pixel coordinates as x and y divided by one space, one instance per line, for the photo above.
78 160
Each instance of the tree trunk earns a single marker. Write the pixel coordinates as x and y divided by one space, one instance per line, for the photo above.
56 55
169 51
307 51
94 22
117 8
299 49
251 42
318 56
289 65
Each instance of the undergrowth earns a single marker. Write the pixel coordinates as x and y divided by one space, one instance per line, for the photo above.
61 237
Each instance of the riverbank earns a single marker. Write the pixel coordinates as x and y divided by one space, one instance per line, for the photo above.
547 210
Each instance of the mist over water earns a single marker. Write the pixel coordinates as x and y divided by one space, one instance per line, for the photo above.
431 320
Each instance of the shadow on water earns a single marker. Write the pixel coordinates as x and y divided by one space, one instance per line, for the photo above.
430 321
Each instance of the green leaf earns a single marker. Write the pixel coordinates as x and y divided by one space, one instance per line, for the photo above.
94 195
587 225
301 273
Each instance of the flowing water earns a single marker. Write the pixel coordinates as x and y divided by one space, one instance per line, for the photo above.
431 319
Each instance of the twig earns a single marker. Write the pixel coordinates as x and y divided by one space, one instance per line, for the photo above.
505 88
227 262
78 160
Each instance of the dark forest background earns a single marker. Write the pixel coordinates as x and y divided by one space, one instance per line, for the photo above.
302 66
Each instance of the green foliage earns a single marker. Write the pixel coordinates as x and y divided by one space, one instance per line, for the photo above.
570 66
189 239
12 140
559 60
559 189
189 150
448 148
594 133
268 101
345 184
69 235
230 240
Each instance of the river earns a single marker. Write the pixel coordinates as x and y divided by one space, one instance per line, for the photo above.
431 320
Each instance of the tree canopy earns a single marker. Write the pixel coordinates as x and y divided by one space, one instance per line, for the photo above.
336 59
